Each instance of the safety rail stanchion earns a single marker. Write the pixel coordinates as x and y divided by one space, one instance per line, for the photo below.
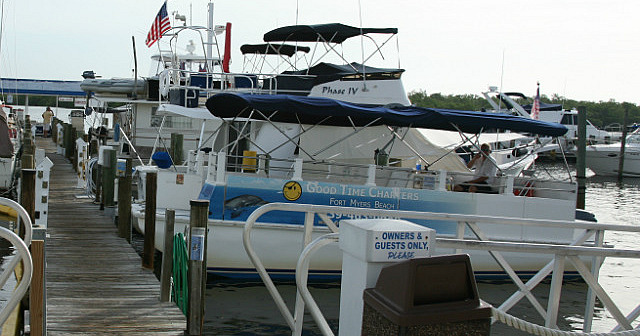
302 272
573 251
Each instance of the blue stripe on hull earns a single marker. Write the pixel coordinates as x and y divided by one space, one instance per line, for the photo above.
328 276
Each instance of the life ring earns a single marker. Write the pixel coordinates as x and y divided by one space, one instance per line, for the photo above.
165 82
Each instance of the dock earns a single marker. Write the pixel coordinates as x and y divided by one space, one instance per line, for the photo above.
94 280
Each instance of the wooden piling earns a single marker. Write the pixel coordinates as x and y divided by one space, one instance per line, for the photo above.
581 176
28 192
74 151
197 273
623 144
124 202
108 177
167 256
68 150
177 140
151 182
54 129
36 290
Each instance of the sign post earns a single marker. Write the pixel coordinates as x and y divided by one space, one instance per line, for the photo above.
368 245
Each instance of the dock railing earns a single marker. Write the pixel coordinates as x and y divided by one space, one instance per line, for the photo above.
587 245
22 254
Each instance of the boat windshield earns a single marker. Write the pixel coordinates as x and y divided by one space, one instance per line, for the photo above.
634 137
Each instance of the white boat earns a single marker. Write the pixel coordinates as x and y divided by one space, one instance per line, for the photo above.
505 102
9 138
603 159
254 157
235 186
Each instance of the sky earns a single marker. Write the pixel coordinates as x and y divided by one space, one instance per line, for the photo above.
583 50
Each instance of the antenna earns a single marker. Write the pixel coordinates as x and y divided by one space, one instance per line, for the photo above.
501 79
364 74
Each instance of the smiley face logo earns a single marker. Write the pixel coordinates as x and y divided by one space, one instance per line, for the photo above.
292 190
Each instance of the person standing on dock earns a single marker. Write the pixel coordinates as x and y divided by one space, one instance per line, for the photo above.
46 124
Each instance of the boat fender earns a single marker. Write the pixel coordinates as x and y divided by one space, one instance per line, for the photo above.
164 81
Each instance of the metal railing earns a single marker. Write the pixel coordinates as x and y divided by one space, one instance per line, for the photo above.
575 251
22 254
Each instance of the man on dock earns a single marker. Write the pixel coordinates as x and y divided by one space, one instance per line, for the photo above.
46 124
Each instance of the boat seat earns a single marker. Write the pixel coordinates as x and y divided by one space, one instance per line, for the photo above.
246 81
200 81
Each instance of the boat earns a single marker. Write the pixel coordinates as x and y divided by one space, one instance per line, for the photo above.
305 137
505 102
604 159
9 143
240 161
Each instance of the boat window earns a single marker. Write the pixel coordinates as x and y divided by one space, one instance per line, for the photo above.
569 119
633 138
171 121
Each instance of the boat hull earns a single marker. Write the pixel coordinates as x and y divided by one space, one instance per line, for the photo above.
278 237
604 160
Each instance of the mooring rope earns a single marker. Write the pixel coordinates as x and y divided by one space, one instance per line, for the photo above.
535 329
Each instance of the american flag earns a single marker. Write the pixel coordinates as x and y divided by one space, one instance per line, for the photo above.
535 109
159 26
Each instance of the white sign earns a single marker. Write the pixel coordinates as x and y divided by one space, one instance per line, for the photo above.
10 99
65 99
197 244
400 245
80 102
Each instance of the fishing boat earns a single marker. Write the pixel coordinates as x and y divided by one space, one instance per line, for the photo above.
604 159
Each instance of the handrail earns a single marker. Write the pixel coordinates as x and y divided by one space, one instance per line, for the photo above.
560 252
24 255
23 217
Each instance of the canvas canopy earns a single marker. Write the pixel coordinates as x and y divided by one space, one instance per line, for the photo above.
330 32
330 112
273 49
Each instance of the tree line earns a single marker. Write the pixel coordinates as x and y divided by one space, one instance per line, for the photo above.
600 113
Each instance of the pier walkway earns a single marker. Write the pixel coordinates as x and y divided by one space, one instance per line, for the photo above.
95 283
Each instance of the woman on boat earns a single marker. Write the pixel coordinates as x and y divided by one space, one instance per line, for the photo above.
485 171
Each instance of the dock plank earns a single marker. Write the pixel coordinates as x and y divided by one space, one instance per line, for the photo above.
95 283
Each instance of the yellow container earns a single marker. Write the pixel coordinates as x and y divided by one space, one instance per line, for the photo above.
249 161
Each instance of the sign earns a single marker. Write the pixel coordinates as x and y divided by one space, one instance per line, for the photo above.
197 244
80 102
10 99
400 245
65 99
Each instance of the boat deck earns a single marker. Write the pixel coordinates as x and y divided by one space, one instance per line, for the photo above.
95 283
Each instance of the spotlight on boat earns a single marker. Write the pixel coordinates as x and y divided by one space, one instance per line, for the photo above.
89 74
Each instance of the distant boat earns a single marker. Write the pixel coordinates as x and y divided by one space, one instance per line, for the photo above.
505 102
604 159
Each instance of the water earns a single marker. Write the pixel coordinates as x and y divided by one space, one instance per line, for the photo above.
247 309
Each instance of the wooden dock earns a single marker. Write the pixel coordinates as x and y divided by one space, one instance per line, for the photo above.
95 283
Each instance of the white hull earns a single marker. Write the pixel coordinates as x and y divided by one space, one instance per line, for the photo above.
6 169
279 245
604 160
